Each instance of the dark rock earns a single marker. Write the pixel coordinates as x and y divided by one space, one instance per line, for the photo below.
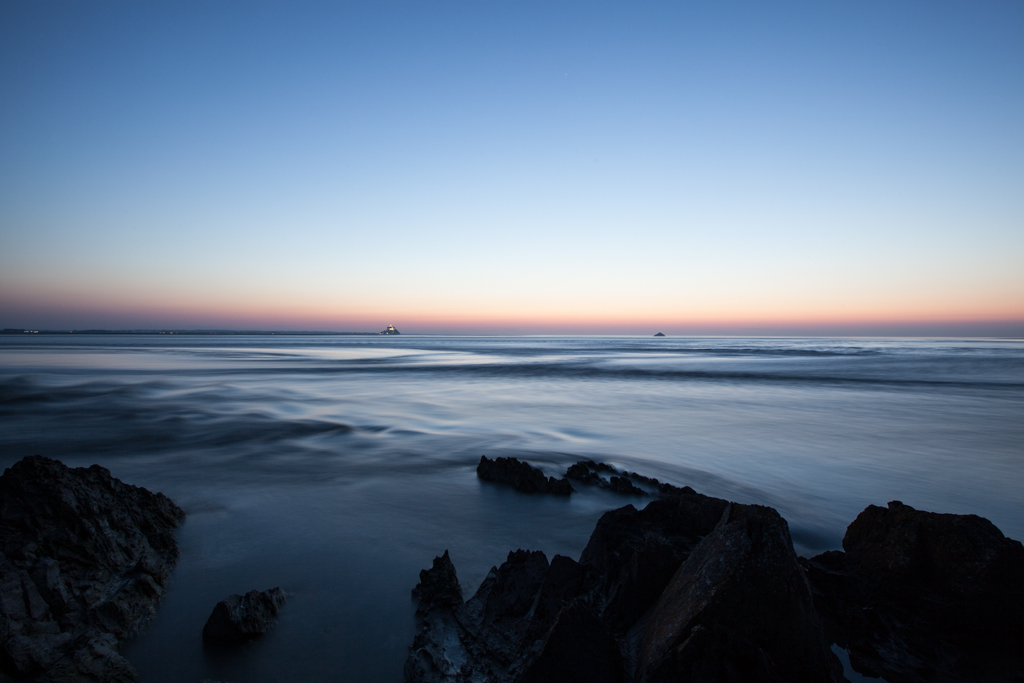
564 580
521 475
239 618
580 472
633 553
480 638
589 472
659 335
625 487
438 587
496 617
692 588
738 609
84 558
921 596
531 621
578 648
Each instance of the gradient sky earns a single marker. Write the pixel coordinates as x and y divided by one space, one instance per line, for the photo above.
853 167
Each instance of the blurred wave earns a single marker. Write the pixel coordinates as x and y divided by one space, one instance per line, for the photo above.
338 467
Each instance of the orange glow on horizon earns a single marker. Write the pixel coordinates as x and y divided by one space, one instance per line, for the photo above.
313 315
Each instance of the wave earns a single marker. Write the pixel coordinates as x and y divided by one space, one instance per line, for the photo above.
588 370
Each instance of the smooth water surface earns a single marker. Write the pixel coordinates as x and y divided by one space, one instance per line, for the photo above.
337 467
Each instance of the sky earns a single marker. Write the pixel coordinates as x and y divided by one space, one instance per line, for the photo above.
513 168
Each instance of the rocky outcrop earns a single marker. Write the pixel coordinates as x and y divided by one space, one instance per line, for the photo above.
654 594
84 558
579 648
919 596
521 476
632 554
738 609
620 481
438 587
239 618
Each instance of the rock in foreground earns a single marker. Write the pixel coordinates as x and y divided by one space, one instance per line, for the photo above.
239 618
738 609
438 586
84 558
521 476
689 588
920 596
698 589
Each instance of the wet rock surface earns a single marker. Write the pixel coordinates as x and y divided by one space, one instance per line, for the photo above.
614 615
920 596
620 481
695 588
84 559
439 586
738 609
521 476
239 618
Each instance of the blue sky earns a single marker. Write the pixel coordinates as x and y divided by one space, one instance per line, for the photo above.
533 167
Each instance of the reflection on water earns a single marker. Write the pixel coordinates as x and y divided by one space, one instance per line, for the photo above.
337 467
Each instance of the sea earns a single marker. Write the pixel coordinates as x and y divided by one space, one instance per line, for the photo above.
338 467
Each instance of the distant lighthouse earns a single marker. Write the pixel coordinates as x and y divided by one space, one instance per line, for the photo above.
390 330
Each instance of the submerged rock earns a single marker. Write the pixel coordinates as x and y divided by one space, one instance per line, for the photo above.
521 475
922 596
619 481
239 618
84 559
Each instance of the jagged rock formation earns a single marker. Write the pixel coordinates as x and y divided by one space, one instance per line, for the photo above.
738 609
689 588
521 476
84 558
239 618
620 481
697 589
438 587
919 596
588 472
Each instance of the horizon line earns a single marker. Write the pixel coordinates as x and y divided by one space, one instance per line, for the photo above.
14 332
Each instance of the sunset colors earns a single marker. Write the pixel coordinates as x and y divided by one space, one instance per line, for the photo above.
519 168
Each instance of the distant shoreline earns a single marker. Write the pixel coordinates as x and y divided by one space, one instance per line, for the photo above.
11 332
308 333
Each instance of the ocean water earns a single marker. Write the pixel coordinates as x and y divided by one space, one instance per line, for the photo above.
338 467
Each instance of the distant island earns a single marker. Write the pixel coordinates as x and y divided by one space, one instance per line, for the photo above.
659 335
390 330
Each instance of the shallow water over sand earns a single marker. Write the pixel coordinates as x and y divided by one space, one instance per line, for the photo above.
337 467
